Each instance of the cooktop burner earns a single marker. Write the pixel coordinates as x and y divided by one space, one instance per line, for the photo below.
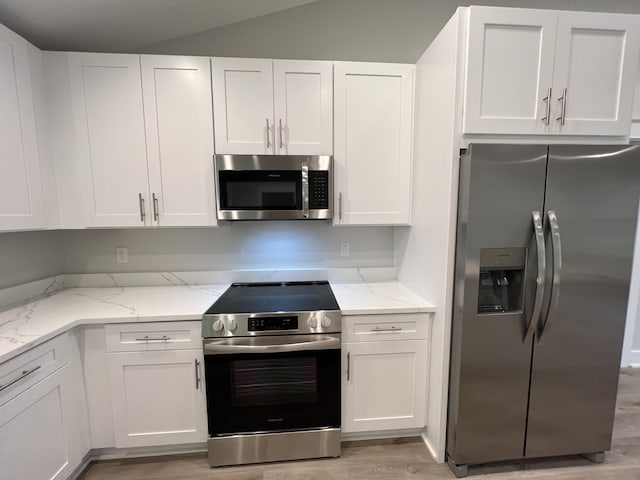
275 297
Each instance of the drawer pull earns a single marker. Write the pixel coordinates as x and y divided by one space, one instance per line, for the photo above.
148 339
198 378
24 374
391 329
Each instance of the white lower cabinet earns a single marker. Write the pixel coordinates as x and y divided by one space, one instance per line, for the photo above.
384 381
43 429
158 395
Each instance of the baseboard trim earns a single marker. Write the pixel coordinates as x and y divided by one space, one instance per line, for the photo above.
380 435
430 448
136 452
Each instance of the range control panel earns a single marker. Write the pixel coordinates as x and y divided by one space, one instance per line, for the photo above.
272 323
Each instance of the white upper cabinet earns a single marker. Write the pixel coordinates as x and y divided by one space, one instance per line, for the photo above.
509 70
110 136
272 107
303 106
179 134
243 105
547 72
21 199
144 134
594 75
373 143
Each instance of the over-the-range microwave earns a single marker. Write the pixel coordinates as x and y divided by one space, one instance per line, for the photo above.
274 187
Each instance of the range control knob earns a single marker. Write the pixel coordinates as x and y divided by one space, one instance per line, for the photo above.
312 322
218 325
232 325
326 322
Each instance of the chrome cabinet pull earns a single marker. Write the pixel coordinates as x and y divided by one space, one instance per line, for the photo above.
547 118
540 279
281 134
155 207
268 135
148 339
556 253
348 366
391 329
141 203
340 206
563 112
198 378
23 374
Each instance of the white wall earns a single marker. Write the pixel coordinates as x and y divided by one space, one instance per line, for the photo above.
245 245
28 256
358 30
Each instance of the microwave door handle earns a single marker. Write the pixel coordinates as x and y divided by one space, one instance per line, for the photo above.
538 233
556 253
305 189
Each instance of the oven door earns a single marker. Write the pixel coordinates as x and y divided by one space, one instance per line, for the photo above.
272 383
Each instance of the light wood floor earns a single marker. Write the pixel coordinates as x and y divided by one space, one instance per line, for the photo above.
403 459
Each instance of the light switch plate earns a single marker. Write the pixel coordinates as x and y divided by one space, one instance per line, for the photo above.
122 255
345 249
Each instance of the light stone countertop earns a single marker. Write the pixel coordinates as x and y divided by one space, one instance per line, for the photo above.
26 326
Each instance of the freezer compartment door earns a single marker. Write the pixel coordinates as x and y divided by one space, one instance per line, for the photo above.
500 187
592 197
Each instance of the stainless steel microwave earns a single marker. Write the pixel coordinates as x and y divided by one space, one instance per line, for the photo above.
274 187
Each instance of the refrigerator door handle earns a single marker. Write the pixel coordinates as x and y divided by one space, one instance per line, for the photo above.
538 233
556 253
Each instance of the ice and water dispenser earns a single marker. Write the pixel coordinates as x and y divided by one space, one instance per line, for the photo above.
502 273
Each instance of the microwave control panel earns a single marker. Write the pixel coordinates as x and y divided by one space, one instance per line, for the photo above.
318 189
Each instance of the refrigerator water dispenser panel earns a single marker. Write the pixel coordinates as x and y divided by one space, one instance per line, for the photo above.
501 280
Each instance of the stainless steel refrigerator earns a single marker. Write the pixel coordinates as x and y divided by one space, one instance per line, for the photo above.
544 250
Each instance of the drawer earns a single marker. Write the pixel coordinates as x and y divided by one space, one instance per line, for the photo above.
139 337
25 370
373 328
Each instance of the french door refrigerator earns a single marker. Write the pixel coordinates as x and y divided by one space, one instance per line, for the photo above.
544 250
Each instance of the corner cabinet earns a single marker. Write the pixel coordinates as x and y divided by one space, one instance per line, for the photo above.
157 383
550 73
384 360
143 139
21 197
272 106
373 105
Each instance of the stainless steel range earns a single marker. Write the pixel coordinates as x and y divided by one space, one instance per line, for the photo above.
272 367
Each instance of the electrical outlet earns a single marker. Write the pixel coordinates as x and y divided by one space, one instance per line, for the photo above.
122 255
345 249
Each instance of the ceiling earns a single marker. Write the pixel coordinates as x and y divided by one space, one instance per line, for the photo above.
125 25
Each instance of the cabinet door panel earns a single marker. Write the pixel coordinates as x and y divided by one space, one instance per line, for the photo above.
243 105
596 61
373 135
155 398
179 132
385 388
509 70
303 95
107 98
21 203
32 427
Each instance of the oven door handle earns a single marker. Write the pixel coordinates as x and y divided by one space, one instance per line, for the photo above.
224 346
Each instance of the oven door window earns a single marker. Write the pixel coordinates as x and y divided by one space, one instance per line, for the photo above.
273 392
260 190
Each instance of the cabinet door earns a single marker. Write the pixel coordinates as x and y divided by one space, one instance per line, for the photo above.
594 76
509 70
384 385
158 397
21 203
373 143
107 103
303 98
179 134
243 105
34 432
